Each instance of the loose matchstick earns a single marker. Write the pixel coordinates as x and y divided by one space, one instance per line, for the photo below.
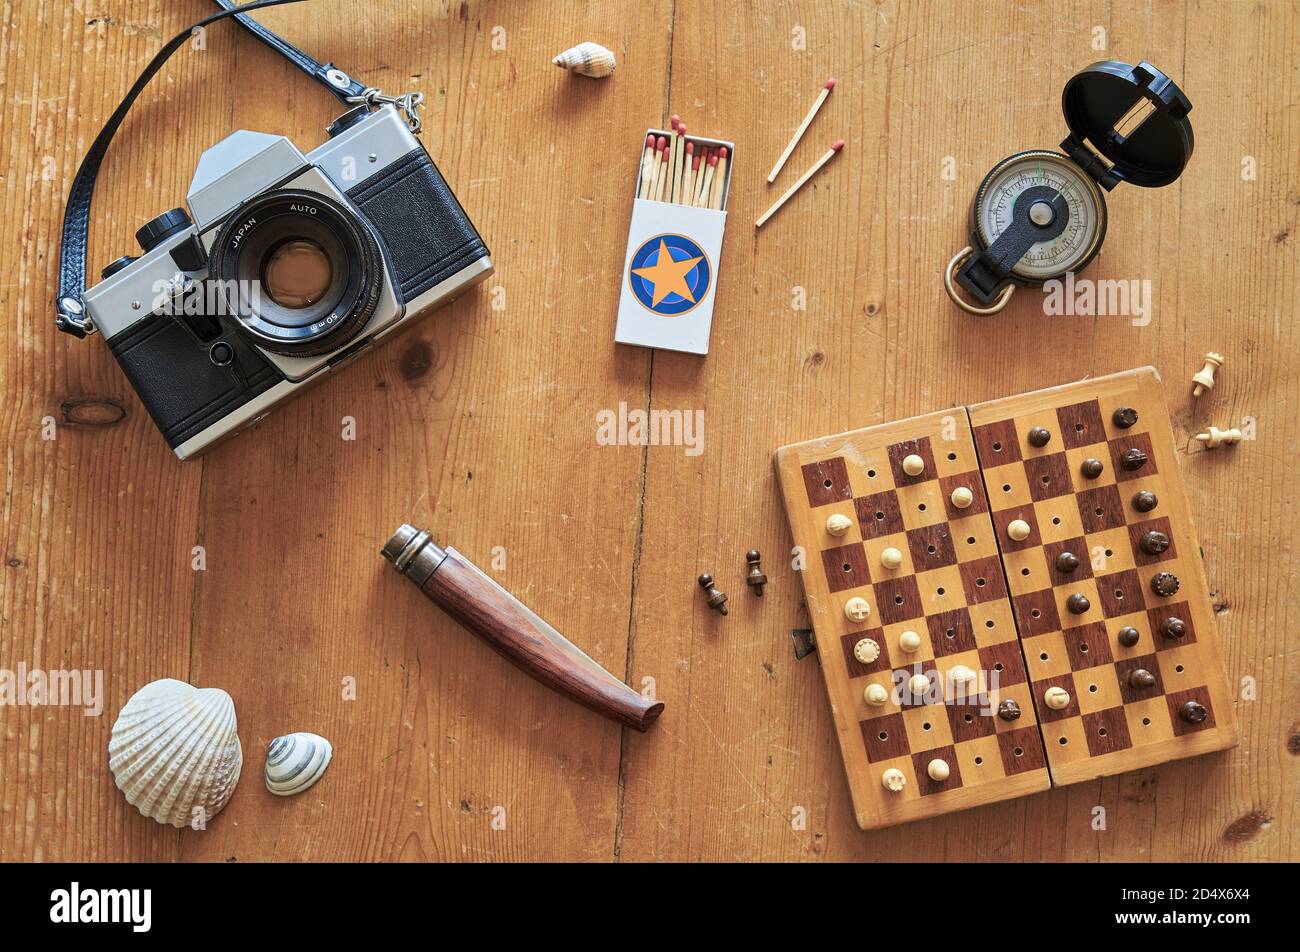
830 154
689 164
708 181
803 127
678 162
647 166
719 179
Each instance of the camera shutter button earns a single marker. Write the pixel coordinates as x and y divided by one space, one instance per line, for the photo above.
221 353
156 230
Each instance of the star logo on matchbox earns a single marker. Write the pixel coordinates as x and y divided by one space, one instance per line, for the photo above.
669 274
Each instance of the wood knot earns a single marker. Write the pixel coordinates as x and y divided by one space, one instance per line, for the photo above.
1293 740
872 309
416 360
1246 827
92 411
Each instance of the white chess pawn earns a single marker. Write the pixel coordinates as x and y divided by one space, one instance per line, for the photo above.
1214 437
962 497
909 641
1204 379
937 769
1018 530
891 558
913 465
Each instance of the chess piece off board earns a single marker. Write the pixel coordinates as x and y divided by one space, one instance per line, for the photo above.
991 662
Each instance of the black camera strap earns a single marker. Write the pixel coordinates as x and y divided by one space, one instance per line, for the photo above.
70 310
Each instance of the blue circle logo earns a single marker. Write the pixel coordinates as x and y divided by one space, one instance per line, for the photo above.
669 274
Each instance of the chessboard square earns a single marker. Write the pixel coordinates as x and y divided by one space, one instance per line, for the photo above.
1156 617
865 711
982 580
1026 571
1081 424
903 765
1100 509
1124 669
1149 721
875 548
920 763
967 722
1086 587
1007 487
1021 750
931 547
1097 689
1065 741
1058 519
921 505
1120 592
997 443
1137 530
993 623
941 590
1129 441
1177 699
973 538
871 472
1099 452
1048 476
1036 613
900 451
1138 622
900 658
1181 668
980 761
878 514
885 737
845 567
1110 551
1088 646
1046 657
1003 518
827 481
851 534
927 727
1003 663
1023 696
951 632
1047 715
897 599
956 455
1078 547
1130 490
856 668
962 693
971 480
1106 731
907 698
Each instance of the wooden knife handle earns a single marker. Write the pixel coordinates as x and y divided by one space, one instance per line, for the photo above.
468 595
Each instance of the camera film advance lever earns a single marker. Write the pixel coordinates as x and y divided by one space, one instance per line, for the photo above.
467 594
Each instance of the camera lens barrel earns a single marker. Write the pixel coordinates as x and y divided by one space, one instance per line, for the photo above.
301 271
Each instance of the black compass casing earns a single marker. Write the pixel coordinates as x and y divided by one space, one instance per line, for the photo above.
1110 141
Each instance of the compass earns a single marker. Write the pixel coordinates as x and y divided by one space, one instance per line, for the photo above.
1038 215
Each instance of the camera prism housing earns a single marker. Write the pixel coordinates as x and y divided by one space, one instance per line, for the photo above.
286 267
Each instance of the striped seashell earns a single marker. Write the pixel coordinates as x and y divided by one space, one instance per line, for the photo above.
174 752
296 761
587 59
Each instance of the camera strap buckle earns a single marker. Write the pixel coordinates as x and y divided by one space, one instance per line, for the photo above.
408 103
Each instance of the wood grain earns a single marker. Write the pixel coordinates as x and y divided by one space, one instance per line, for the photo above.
480 424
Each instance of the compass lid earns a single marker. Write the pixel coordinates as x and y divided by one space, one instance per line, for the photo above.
1135 116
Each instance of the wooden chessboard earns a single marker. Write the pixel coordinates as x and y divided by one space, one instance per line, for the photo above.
998 607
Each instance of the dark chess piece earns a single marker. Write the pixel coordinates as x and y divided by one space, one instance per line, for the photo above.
1141 678
1128 636
1091 468
1009 710
1193 712
1039 436
1144 501
717 599
1153 542
1078 603
1164 584
1133 459
1173 627
1067 562
1124 417
755 579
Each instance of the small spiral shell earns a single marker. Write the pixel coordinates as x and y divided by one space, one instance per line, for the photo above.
587 59
296 761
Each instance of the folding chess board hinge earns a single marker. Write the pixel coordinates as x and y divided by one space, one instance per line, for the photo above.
805 643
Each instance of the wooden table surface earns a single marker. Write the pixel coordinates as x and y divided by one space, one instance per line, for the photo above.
480 424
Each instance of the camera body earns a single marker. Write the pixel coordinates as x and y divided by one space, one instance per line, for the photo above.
287 267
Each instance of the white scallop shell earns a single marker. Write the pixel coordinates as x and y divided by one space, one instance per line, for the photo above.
587 59
175 752
295 761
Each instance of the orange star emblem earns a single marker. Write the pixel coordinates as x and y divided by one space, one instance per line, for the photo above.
668 276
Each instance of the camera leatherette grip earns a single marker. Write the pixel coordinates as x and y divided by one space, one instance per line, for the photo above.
427 234
180 386
505 623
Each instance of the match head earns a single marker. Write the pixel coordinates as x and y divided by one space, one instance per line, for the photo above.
713 159
661 144
681 128
722 151
675 121
650 141
695 163
690 148
837 145
830 83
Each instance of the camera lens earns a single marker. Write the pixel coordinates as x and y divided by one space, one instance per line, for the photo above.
301 271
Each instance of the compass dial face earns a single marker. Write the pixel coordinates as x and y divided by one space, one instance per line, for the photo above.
1070 250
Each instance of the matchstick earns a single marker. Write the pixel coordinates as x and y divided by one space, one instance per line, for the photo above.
830 154
719 179
674 148
678 162
661 144
647 166
689 165
803 127
699 179
664 187
708 181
